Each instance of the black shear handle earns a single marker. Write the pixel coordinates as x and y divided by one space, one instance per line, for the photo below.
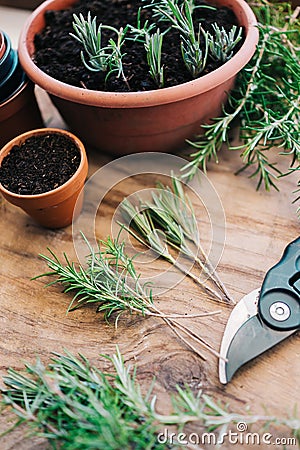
279 301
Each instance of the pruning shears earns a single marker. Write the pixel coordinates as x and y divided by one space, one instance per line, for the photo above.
264 317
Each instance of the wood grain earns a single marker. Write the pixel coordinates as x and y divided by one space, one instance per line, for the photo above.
33 319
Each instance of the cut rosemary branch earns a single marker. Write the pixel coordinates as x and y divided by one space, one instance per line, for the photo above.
173 211
76 406
111 281
142 227
266 100
169 219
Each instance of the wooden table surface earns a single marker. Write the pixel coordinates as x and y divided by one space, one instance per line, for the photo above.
33 319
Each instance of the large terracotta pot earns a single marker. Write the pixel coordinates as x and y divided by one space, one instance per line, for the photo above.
158 120
55 208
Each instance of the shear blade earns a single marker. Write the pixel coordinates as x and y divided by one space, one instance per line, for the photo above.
245 337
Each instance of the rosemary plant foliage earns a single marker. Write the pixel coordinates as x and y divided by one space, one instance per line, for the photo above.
111 282
266 101
108 280
76 406
169 222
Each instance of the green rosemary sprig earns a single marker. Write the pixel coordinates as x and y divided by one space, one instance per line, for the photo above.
140 224
161 9
221 43
266 100
153 47
106 58
173 211
116 56
89 35
76 406
112 283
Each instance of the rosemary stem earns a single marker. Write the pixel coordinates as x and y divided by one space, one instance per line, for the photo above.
237 111
172 324
168 257
206 267
196 338
212 273
183 339
194 278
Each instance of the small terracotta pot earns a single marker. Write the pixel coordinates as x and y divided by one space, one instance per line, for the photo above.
2 45
158 120
55 208
19 113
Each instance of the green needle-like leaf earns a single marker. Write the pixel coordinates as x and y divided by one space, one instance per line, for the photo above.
266 101
76 406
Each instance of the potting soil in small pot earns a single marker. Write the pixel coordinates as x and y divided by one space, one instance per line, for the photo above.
40 164
58 54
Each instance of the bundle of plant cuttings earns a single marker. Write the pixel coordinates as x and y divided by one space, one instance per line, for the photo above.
168 223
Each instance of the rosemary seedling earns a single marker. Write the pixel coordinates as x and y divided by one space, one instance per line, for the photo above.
140 224
106 58
181 18
112 283
266 100
76 406
153 47
221 43
161 9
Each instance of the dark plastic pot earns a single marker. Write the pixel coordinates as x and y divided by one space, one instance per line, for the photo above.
56 208
158 120
19 113
14 78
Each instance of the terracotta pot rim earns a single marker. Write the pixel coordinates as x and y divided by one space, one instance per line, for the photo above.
39 131
135 99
